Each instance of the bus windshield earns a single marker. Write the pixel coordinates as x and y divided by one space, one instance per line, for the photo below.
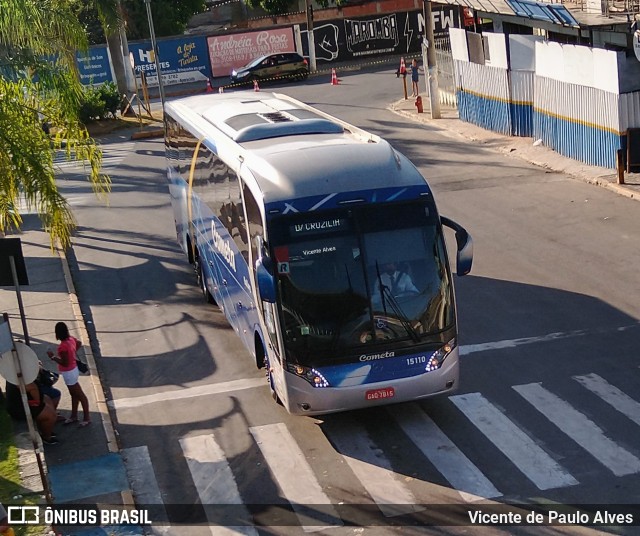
354 280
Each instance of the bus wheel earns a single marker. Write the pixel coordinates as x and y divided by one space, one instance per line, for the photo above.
202 282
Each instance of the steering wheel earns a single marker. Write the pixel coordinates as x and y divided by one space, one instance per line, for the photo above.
383 331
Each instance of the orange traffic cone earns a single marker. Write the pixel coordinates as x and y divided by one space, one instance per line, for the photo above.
256 87
209 88
334 77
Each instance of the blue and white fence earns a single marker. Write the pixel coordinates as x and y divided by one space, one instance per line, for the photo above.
566 95
576 102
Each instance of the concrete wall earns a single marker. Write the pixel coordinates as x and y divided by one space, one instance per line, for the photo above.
628 73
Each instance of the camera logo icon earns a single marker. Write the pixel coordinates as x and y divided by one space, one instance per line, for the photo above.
23 515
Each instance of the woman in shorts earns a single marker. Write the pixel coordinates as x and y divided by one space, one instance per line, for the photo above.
68 369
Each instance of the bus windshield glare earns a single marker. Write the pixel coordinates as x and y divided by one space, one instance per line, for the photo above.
358 279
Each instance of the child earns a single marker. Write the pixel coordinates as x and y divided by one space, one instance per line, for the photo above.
414 78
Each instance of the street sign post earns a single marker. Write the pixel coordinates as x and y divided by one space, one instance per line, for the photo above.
13 271
19 365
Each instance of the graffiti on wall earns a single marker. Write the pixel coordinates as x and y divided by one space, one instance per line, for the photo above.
326 42
393 33
371 36
227 52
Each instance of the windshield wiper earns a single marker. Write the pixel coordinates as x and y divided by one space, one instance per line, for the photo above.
385 294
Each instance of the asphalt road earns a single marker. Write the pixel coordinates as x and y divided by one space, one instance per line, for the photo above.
547 409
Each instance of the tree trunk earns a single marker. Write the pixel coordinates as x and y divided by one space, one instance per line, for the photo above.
115 49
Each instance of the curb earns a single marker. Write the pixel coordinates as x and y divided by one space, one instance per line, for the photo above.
142 134
101 403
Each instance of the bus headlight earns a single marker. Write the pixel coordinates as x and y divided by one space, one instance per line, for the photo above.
311 375
438 357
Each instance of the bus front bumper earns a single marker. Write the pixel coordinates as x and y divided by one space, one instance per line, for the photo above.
304 399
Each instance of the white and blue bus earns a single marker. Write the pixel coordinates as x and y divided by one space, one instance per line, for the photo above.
323 246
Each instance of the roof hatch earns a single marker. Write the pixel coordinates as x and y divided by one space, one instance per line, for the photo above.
255 119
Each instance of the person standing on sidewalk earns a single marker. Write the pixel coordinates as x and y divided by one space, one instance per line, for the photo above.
66 360
414 78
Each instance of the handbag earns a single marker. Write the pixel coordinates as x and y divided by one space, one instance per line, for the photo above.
47 378
82 366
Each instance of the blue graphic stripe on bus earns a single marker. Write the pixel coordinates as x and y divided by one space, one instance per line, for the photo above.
378 370
381 195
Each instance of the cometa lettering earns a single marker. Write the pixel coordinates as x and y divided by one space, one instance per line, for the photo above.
373 357
223 247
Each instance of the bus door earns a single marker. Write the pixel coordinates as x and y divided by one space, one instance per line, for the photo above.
274 354
269 314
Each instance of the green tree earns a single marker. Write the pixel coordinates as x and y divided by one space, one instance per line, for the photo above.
274 7
35 89
279 7
170 17
87 14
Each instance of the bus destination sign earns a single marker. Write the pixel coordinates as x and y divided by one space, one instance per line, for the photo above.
318 227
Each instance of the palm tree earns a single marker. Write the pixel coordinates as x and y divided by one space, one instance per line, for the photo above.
35 89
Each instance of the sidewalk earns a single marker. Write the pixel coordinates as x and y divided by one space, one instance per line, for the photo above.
85 467
517 147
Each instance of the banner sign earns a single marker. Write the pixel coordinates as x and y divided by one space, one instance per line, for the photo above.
182 60
94 66
391 33
228 52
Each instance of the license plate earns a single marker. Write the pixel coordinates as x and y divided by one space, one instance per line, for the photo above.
380 394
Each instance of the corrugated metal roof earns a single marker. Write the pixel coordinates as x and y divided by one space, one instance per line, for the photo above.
555 13
574 10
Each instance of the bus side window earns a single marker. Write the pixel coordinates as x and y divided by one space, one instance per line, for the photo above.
254 223
238 226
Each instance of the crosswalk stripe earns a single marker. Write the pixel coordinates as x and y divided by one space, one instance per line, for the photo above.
581 429
214 479
459 471
525 454
111 157
187 392
144 485
374 471
295 477
611 395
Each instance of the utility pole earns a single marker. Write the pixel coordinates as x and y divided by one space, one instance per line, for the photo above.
310 39
155 51
432 68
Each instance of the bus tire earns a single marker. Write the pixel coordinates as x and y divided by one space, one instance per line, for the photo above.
261 359
202 282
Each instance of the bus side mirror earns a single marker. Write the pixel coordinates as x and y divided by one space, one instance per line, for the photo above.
464 256
266 281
